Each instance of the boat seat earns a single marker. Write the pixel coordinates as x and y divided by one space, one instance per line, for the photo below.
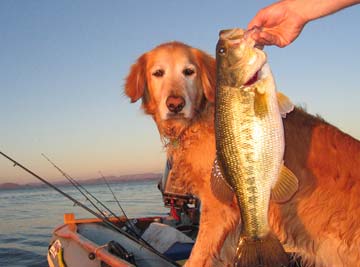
179 251
168 240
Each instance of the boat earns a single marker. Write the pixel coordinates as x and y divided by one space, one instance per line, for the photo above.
88 242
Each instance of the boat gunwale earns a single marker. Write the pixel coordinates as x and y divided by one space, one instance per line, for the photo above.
69 231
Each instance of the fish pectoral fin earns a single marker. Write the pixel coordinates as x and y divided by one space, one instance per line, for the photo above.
285 105
219 186
286 186
261 106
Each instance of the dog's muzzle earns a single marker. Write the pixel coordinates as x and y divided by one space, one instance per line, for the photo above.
175 104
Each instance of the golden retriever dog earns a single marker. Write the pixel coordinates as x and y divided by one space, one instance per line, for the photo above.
176 84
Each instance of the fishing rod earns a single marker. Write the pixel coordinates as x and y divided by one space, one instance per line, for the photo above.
104 220
81 189
117 201
128 222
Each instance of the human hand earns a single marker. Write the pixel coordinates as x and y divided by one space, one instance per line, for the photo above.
280 23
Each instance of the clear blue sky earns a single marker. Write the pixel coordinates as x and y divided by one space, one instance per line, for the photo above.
63 63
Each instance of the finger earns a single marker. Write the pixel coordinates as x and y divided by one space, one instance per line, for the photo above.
255 36
258 21
265 38
254 23
263 42
274 39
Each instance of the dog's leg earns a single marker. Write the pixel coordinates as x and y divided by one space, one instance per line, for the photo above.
216 221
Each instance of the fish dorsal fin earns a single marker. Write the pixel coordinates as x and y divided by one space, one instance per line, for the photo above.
286 186
285 105
220 188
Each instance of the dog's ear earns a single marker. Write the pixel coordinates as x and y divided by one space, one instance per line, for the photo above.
135 82
207 67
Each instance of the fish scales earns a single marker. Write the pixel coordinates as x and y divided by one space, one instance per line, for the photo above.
245 167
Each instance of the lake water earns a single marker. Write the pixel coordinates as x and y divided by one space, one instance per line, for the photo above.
28 216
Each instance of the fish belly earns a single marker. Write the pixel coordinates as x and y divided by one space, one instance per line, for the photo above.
250 147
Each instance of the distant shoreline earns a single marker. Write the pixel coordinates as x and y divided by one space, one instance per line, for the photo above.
90 181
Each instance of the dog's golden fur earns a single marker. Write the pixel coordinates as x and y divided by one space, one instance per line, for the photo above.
320 222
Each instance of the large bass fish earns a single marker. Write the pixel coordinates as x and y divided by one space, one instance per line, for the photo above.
250 144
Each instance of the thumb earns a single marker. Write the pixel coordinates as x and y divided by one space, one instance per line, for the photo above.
258 21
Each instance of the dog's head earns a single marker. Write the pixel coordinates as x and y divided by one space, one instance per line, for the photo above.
175 82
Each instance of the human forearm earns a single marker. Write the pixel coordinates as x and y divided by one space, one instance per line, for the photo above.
314 9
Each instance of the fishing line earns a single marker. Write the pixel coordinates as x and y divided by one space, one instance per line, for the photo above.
128 222
81 189
117 201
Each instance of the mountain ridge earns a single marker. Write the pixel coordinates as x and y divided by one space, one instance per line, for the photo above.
87 181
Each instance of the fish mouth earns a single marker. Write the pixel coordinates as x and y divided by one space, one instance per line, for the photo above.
258 71
253 79
257 76
253 75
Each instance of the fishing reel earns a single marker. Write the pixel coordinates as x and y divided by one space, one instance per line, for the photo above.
117 250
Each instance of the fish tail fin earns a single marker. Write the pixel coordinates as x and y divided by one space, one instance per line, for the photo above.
264 252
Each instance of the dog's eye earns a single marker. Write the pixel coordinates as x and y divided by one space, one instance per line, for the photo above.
188 72
158 73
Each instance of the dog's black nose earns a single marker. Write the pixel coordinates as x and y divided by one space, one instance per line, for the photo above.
175 103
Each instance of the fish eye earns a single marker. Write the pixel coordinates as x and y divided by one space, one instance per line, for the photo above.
158 73
188 71
222 51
